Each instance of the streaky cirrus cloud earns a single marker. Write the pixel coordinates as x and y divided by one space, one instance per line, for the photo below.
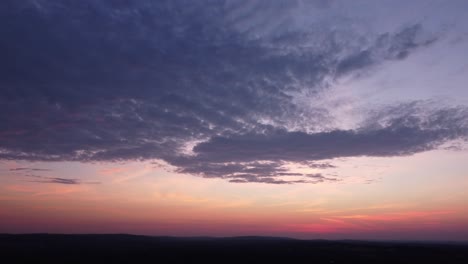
34 175
42 179
193 84
28 169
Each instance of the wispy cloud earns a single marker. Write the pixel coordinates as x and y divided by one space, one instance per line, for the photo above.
32 173
28 169
43 179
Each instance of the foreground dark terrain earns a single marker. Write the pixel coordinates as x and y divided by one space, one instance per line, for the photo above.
42 248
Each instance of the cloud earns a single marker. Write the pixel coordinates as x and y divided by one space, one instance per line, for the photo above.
32 173
405 134
59 180
29 169
387 46
113 81
397 131
310 178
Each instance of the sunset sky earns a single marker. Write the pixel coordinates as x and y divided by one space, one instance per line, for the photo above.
308 119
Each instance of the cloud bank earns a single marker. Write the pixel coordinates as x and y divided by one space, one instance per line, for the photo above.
206 86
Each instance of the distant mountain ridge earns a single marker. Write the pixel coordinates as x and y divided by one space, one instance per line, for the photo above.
126 248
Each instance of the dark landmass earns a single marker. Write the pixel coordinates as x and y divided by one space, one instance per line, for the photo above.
45 248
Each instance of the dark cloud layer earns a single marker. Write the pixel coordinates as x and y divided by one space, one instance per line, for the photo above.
404 134
118 80
397 131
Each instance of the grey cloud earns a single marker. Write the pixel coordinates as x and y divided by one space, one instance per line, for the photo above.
59 180
318 177
315 165
388 46
31 173
271 171
270 180
404 134
28 169
313 179
107 81
399 131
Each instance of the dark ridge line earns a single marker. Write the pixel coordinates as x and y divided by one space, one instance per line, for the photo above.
239 238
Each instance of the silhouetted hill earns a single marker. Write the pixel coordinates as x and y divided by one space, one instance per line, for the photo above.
44 248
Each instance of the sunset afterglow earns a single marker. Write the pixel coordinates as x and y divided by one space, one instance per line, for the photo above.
303 119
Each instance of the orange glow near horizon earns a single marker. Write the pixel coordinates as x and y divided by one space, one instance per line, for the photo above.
140 198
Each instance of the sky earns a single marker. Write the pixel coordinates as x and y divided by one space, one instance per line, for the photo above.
306 119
